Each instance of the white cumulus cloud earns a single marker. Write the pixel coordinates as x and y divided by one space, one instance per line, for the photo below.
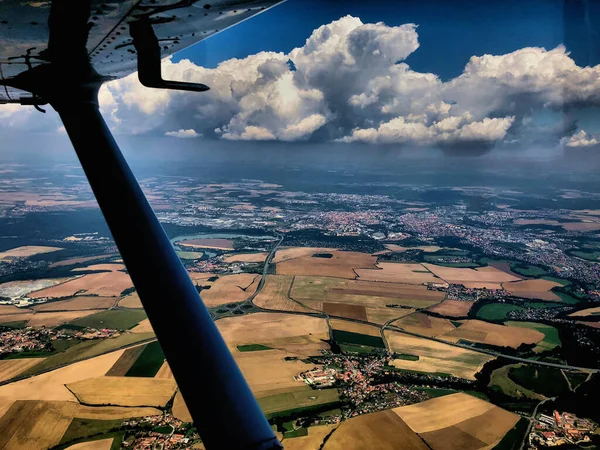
581 139
183 134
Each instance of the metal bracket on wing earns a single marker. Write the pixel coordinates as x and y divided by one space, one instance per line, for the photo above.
148 56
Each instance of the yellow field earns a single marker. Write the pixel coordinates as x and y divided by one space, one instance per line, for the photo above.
10 368
452 308
435 356
25 251
341 264
108 284
143 327
7 310
493 334
274 294
101 444
124 391
442 412
52 319
533 289
51 385
458 421
35 424
398 273
101 267
354 327
482 275
313 441
77 303
180 410
425 248
164 372
347 295
586 312
382 430
264 327
280 373
73 261
420 323
246 257
229 288
131 301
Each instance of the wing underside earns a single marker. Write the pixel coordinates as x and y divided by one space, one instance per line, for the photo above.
24 31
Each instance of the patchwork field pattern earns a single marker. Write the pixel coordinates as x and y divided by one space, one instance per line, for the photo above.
316 292
435 356
314 439
458 421
25 251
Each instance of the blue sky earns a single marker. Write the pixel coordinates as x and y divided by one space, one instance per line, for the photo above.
450 32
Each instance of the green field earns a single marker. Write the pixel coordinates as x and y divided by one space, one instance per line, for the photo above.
548 381
119 319
348 337
253 348
557 280
527 270
148 363
83 428
589 256
87 349
551 338
189 255
165 429
289 401
296 433
566 298
497 311
351 348
406 356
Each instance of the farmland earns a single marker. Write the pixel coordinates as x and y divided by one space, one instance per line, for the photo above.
34 424
10 368
274 294
312 441
123 391
220 244
493 334
484 276
435 357
148 362
355 298
398 273
536 289
458 421
115 319
340 264
26 251
246 257
452 308
425 325
109 284
125 361
229 288
500 381
497 311
551 337
77 304
297 398
381 430
131 301
548 381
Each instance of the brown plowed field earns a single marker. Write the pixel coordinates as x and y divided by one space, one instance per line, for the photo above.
344 310
420 323
534 289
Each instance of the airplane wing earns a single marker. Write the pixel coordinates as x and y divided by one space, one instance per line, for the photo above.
24 31
60 52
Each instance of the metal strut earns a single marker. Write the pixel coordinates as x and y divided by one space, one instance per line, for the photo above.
220 401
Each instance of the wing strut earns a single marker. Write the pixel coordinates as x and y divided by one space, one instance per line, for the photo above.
220 401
